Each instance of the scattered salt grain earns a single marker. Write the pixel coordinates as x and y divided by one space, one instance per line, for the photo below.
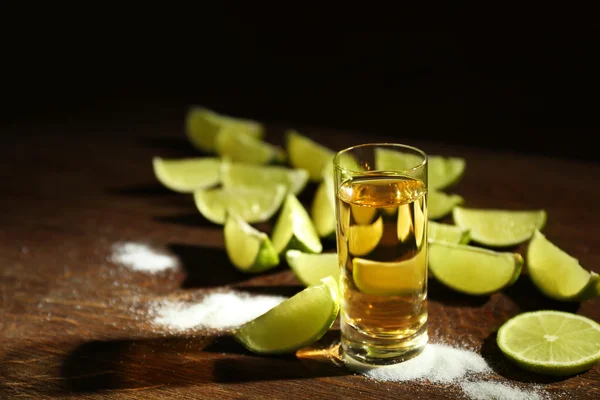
437 363
141 257
444 364
499 391
220 310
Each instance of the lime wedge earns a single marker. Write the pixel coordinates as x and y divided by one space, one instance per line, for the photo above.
394 160
322 209
252 204
294 229
473 270
439 232
249 249
345 161
243 174
362 214
410 223
246 148
307 154
499 228
420 221
327 170
404 226
311 268
363 239
557 274
390 278
442 171
294 323
186 175
440 204
551 342
203 125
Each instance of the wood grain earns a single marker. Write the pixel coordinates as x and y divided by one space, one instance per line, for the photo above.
74 325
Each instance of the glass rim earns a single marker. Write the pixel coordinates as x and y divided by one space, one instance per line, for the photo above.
380 144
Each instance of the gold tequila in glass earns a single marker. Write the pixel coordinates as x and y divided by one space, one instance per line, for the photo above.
381 216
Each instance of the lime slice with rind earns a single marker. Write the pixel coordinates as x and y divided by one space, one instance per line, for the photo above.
311 268
439 232
294 229
390 278
473 270
294 323
235 174
322 209
557 274
363 239
185 175
551 342
248 249
231 145
251 204
440 204
307 154
442 171
499 228
202 126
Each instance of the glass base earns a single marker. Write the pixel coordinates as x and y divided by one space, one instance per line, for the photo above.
381 351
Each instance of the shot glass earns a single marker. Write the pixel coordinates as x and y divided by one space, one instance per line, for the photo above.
381 215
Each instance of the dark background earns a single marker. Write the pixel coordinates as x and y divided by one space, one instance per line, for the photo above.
524 84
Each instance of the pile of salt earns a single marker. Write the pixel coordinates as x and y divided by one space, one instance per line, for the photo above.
438 363
219 310
141 257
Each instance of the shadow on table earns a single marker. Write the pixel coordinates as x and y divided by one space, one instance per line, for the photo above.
134 364
153 189
205 266
172 147
154 193
504 367
437 291
181 361
318 360
524 293
193 219
208 266
271 290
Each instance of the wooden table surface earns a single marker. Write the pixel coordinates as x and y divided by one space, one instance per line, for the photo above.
74 325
